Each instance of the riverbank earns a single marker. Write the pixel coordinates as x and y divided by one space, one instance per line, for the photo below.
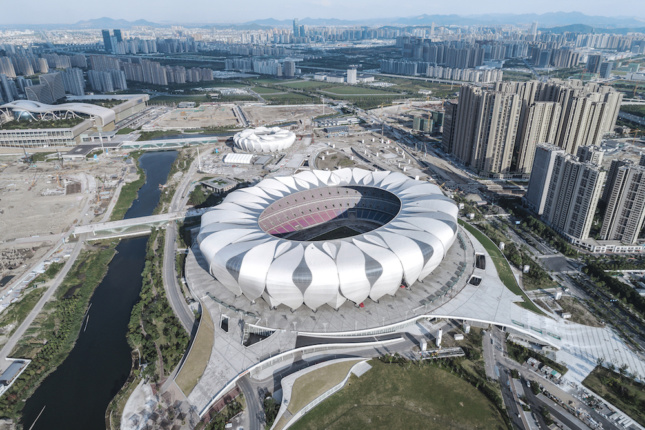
96 362
154 330
130 191
53 334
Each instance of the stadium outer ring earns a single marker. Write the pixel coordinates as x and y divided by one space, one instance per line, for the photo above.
251 262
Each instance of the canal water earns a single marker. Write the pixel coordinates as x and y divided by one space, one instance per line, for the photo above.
77 393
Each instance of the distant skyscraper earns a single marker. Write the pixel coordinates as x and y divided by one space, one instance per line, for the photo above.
625 212
296 28
107 41
593 63
351 76
289 69
605 69
534 27
117 34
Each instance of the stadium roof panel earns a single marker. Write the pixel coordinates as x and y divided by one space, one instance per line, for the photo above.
320 238
105 115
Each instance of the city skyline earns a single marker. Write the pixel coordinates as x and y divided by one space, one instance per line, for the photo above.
165 11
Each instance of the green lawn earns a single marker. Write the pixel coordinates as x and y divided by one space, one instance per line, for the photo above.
307 84
200 353
290 98
351 89
17 312
264 90
503 269
391 396
310 386
180 98
128 192
625 394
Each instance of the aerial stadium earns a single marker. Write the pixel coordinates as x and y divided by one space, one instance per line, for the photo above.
322 237
263 139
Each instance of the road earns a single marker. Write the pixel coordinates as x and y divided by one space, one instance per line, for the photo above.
505 365
254 406
172 287
22 328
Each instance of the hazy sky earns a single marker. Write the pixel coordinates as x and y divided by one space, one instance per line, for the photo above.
219 11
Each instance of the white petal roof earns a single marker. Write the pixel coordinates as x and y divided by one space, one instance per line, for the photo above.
263 139
403 245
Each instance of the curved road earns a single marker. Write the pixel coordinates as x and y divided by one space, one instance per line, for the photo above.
255 407
172 287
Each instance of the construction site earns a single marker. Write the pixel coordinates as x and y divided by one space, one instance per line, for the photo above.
41 200
204 116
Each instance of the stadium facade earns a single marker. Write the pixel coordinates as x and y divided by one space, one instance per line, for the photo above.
322 237
263 139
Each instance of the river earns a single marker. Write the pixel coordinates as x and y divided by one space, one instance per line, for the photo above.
77 393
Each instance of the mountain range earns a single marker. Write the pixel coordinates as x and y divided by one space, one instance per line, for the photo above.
559 20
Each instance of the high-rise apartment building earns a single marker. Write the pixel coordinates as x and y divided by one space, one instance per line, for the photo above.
540 124
6 93
486 130
541 173
107 41
512 118
593 63
625 211
73 82
572 196
289 68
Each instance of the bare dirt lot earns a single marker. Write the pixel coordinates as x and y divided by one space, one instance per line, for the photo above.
266 115
202 117
40 202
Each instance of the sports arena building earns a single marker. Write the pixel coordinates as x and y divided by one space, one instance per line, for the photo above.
263 139
324 237
85 118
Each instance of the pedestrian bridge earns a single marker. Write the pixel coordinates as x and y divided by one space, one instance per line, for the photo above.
133 226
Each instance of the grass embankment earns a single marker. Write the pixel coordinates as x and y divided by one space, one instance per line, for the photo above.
579 312
18 311
622 392
200 353
41 156
125 130
154 329
312 385
181 164
51 337
503 269
411 395
354 90
521 354
129 191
